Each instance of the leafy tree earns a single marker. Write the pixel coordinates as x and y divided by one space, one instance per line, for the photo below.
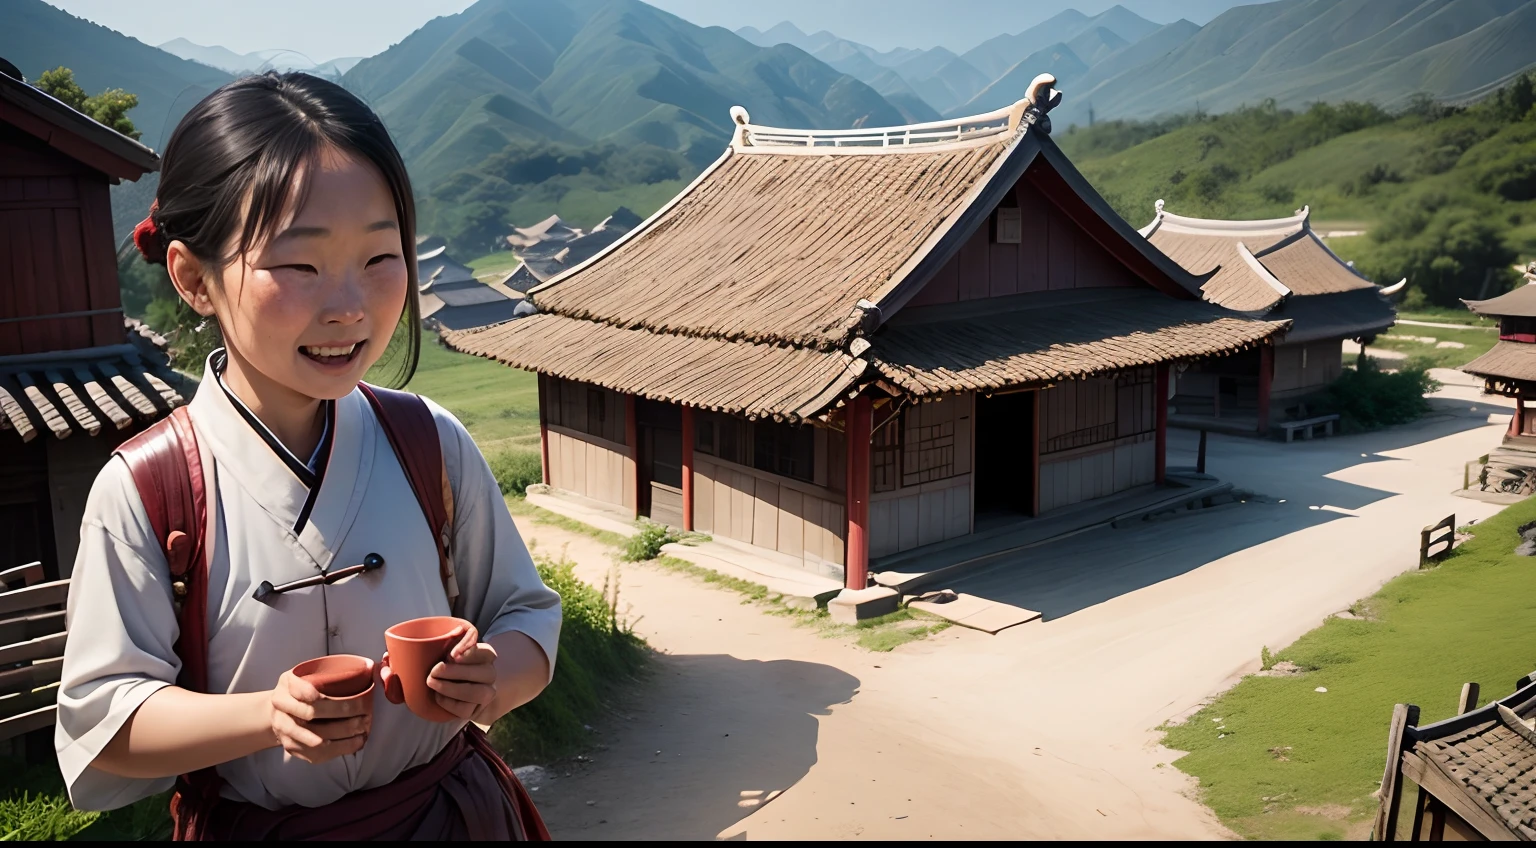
109 108
1457 253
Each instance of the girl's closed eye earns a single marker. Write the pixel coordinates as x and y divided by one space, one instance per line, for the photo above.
382 258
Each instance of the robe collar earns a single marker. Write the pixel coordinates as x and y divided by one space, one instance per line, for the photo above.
314 505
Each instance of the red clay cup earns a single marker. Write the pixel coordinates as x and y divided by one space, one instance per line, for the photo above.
338 677
416 646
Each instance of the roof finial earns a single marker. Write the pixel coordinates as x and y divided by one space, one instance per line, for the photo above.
739 116
1159 207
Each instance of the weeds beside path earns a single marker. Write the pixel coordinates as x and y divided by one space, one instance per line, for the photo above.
1278 757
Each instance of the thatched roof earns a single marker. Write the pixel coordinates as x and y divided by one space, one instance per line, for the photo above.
1517 303
1507 361
765 288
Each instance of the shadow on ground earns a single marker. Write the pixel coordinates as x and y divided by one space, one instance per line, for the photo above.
1295 486
749 729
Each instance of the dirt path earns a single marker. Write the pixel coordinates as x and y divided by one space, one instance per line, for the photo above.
1044 731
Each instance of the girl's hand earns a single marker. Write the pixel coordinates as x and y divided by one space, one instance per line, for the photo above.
465 683
314 728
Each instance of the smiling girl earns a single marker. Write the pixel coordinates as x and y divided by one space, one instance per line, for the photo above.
284 213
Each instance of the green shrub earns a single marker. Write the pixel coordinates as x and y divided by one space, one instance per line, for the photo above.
36 808
516 470
597 652
1368 398
646 545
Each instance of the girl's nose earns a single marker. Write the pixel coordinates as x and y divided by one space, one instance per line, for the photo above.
347 302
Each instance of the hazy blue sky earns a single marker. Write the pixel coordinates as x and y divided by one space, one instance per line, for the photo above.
328 29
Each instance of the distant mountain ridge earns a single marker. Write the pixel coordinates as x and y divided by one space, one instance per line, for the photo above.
580 71
238 63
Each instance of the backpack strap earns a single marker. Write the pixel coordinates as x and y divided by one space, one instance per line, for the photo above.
168 472
412 432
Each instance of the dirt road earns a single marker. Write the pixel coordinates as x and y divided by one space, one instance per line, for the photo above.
1044 731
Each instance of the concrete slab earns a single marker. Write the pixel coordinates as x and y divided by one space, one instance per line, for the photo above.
577 508
852 606
975 613
800 589
935 564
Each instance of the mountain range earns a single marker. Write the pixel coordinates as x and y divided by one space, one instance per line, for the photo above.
1119 65
261 60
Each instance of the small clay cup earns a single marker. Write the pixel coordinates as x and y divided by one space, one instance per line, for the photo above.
338 677
416 646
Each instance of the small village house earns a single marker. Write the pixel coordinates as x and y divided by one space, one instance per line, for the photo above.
1510 368
839 345
1275 268
1474 772
76 379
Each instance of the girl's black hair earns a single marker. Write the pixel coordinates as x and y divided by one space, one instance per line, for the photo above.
249 139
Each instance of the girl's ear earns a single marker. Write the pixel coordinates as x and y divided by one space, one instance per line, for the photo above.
189 277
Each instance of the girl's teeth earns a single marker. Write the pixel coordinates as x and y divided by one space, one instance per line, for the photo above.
328 351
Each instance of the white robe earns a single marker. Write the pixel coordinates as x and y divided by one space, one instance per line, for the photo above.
122 624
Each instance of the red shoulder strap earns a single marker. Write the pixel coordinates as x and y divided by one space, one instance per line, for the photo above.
168 473
412 432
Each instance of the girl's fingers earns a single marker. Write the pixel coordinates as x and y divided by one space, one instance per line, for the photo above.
467 642
478 694
480 672
346 728
463 709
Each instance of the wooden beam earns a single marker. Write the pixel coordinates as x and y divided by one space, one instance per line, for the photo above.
544 427
1266 378
632 441
1403 716
1161 402
1034 456
1468 700
22 575
856 560
687 468
28 722
34 597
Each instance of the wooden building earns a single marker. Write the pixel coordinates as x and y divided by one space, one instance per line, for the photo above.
838 345
1510 368
76 379
1275 268
1475 772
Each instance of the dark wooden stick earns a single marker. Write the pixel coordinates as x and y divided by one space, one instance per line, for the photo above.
371 562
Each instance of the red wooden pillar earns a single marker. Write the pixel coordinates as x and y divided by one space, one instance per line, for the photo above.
632 441
688 468
1517 423
1162 422
1266 376
544 427
856 563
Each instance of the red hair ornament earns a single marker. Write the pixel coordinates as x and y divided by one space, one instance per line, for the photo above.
148 239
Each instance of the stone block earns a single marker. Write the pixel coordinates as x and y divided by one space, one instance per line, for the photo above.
854 605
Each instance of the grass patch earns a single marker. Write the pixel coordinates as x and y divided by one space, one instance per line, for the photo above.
499 264
1413 341
597 653
1445 315
497 404
647 543
515 470
36 808
1271 752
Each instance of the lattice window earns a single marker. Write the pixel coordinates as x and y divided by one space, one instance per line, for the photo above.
1097 410
885 457
928 452
785 450
721 436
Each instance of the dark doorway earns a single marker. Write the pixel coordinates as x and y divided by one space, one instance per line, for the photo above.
26 513
1005 456
659 427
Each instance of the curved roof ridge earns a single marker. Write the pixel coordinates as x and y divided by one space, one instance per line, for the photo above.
1163 219
988 127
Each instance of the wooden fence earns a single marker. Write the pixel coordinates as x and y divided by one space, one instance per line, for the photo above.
32 633
1431 536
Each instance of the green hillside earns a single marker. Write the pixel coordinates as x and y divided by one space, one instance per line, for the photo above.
1447 194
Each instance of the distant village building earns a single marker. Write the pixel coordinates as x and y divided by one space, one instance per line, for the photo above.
840 345
1510 368
1473 772
551 248
76 378
1275 268
437 266
451 297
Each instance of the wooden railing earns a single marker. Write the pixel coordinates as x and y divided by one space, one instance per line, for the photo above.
1428 538
32 632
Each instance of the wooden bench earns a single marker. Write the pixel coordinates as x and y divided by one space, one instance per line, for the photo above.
1307 425
31 649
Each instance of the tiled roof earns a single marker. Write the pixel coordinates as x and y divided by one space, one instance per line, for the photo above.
1489 754
778 244
742 378
84 391
1507 360
1518 303
1273 266
1039 339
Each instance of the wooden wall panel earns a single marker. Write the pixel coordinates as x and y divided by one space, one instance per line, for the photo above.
703 502
769 512
587 468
